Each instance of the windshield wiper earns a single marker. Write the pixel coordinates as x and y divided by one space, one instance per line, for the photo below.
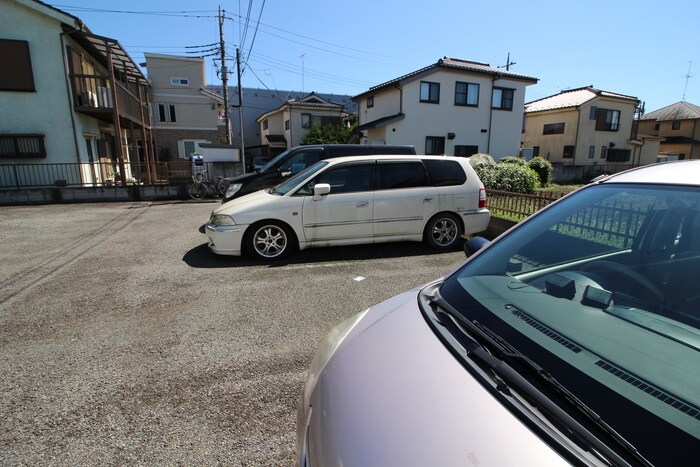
510 366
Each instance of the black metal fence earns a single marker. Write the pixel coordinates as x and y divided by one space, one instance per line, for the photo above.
518 206
19 176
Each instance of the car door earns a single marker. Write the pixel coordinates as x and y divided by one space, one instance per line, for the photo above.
345 214
403 201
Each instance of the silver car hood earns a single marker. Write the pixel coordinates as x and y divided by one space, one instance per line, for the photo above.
394 395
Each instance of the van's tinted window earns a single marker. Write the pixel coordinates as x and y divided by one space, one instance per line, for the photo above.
343 179
445 173
401 175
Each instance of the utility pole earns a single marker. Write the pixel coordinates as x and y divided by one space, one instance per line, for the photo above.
240 105
224 77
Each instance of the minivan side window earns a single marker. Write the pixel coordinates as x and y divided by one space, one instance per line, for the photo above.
445 173
401 175
300 161
343 179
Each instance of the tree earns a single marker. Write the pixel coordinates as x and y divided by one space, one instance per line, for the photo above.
329 134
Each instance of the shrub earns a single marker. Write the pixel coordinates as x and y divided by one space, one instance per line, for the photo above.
481 159
513 160
508 177
543 168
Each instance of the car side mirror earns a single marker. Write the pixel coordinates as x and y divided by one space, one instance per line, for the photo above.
320 190
474 244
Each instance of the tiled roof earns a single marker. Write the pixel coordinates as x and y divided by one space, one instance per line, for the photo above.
572 98
453 63
678 111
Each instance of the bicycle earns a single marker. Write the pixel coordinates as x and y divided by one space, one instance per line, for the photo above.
200 186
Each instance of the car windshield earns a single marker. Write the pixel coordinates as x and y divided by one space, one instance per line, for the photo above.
601 291
289 184
274 161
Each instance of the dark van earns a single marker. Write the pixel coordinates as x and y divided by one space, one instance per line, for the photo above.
295 159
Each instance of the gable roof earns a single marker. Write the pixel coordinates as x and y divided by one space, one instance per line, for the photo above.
454 64
92 43
573 98
678 111
311 101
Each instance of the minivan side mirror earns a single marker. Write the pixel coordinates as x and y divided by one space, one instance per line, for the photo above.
320 190
474 244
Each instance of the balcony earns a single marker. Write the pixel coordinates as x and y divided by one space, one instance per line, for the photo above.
92 95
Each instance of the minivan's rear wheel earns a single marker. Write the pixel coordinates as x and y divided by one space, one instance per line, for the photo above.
269 240
443 231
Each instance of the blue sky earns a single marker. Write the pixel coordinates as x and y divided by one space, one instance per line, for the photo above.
640 48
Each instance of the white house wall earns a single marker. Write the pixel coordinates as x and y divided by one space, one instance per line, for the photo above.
48 110
497 132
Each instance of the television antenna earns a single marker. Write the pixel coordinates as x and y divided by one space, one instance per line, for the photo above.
687 77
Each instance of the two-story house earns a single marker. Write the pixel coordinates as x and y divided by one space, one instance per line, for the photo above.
587 126
679 127
71 99
185 113
287 125
454 106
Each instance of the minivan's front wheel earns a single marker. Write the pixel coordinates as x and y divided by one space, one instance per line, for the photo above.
269 240
443 231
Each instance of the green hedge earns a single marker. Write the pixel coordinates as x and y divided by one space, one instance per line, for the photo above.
508 177
543 168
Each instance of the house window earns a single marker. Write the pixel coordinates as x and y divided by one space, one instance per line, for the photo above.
593 114
435 145
466 151
22 146
535 151
166 113
656 127
568 152
286 124
618 155
608 120
466 94
265 124
553 128
17 66
676 125
370 102
591 152
306 120
176 81
502 98
429 92
603 152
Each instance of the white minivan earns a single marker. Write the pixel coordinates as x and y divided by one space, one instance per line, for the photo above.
355 200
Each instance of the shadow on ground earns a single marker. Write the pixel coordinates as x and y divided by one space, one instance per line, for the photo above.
202 257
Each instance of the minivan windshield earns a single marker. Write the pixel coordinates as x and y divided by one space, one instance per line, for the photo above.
600 290
289 184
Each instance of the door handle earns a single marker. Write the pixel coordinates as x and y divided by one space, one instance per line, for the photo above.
362 204
427 200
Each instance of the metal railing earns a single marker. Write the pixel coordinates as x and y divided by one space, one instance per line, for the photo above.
518 205
19 176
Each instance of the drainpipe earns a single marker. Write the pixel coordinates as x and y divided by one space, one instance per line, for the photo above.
488 141
578 125
69 93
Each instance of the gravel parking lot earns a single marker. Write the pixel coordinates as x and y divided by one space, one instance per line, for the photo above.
123 340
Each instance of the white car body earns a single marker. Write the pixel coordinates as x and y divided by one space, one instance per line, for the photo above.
357 217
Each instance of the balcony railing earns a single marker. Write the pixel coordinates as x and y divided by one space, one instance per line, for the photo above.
92 95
